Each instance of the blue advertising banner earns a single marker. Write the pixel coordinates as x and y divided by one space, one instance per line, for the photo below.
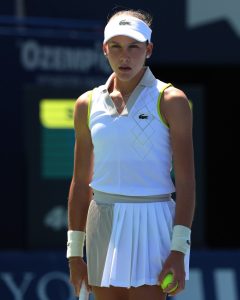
47 59
215 275
184 31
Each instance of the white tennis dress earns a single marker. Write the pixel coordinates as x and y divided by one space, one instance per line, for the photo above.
130 220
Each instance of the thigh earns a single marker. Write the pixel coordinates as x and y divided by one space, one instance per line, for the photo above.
146 292
111 293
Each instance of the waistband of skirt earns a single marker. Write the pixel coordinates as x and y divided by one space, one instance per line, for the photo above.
105 198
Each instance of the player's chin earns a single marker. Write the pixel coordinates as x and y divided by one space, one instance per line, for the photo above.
127 75
124 77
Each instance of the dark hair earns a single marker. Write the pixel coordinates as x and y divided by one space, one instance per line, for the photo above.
137 13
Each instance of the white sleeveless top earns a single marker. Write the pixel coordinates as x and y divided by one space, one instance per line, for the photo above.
132 150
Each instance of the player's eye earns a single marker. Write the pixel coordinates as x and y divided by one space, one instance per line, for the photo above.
115 46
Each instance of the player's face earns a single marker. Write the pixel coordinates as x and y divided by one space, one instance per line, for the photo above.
126 56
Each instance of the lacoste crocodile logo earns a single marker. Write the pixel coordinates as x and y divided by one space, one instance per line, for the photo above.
143 116
124 22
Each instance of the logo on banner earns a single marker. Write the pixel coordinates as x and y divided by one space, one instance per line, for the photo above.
203 12
35 56
56 218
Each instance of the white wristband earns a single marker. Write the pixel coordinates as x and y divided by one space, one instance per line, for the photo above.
181 238
75 243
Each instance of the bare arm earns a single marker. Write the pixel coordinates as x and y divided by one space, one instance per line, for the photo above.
177 112
80 192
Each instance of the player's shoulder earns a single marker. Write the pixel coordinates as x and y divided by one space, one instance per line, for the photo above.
174 104
175 99
173 94
169 92
83 99
82 106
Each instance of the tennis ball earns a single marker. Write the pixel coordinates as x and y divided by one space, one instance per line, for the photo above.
166 281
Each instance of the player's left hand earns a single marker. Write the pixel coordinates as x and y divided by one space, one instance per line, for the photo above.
174 264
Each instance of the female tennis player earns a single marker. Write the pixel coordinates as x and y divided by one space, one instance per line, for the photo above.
130 132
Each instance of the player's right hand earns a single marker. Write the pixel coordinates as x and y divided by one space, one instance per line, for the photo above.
78 273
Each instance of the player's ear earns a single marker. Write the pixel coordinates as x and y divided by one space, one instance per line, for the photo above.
104 48
149 50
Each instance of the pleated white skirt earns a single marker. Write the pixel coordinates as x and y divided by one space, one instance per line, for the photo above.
139 243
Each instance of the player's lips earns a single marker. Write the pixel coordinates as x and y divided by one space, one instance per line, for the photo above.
124 68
